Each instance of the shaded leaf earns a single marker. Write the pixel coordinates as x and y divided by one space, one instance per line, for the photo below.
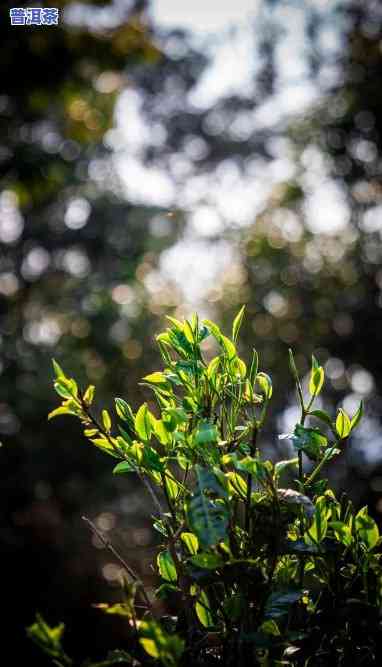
207 517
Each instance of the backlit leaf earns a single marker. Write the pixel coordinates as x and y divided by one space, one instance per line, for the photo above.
191 542
143 423
237 324
343 424
166 567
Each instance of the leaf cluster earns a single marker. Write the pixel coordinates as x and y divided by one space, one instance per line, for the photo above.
257 570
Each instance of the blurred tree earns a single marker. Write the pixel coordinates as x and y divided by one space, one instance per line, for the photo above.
73 255
321 291
79 258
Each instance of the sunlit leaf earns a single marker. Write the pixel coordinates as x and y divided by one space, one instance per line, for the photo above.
123 468
143 423
366 528
158 644
357 417
343 424
124 411
265 384
59 373
317 376
166 567
106 421
280 466
237 324
89 394
191 542
203 610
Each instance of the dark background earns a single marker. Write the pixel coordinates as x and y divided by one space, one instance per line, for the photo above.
79 258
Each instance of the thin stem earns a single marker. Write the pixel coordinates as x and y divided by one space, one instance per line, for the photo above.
249 484
248 504
108 545
107 435
151 491
168 500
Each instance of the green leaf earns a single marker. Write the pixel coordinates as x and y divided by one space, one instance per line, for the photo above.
270 627
48 638
228 347
213 368
310 441
90 432
207 561
318 529
342 532
317 376
124 411
123 468
172 486
106 421
205 433
203 610
160 431
188 332
234 607
279 603
158 644
343 424
237 484
105 445
254 368
207 517
152 461
293 367
323 416
143 423
249 464
214 329
89 394
280 466
166 567
191 542
59 373
367 529
66 388
357 417
62 410
177 324
237 324
157 379
116 609
265 384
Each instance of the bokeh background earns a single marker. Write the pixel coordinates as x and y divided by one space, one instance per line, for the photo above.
160 158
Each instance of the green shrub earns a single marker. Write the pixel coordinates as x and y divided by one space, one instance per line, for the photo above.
260 573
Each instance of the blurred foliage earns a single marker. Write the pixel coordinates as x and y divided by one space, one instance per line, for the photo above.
73 256
79 260
321 292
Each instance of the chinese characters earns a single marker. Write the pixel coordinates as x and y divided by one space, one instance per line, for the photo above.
34 15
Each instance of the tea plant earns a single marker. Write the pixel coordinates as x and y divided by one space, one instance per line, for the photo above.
260 573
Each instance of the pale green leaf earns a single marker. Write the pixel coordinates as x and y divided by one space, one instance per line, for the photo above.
237 324
143 423
191 542
166 567
343 424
